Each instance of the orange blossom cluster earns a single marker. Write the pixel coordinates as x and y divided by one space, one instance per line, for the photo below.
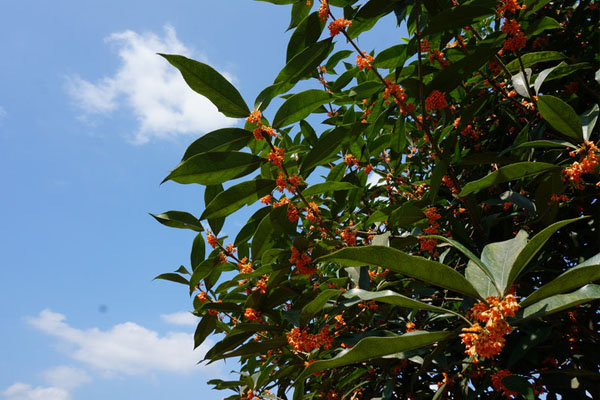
306 342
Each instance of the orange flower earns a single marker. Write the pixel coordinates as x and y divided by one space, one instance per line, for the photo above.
252 315
424 46
266 199
202 296
306 342
511 27
211 239
410 327
312 212
254 117
294 181
515 42
245 266
338 25
323 10
497 383
292 213
276 156
435 101
364 61
281 182
349 236
302 261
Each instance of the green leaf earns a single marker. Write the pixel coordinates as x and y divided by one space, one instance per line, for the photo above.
225 139
393 298
561 302
198 251
586 272
307 33
205 327
500 257
299 11
377 347
326 146
300 106
316 305
505 174
210 192
173 277
395 260
214 167
206 81
519 385
391 57
253 348
554 144
235 197
531 59
335 58
588 121
476 261
202 270
179 219
544 24
248 230
457 18
325 187
305 63
531 249
406 215
560 116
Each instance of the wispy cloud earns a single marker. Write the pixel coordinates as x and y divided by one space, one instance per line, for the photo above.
180 318
126 348
66 377
152 89
22 391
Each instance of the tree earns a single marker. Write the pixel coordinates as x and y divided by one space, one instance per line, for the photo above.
430 219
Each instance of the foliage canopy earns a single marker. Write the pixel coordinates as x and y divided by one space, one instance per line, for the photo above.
429 220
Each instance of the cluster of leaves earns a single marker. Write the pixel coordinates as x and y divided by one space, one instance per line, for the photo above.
359 275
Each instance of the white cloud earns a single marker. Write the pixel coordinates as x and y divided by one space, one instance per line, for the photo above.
150 87
126 348
180 318
22 391
66 377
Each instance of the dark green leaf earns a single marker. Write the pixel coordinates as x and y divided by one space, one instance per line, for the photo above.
307 33
588 121
457 18
560 116
390 297
325 187
305 63
225 139
214 167
586 272
235 197
507 173
531 59
198 250
561 302
544 24
204 80
173 277
377 347
179 219
395 260
326 146
406 215
316 305
300 106
531 249
205 327
519 385
392 57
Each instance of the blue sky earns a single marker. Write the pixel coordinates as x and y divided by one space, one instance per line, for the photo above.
91 121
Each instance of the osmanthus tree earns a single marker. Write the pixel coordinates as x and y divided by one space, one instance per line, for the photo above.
429 221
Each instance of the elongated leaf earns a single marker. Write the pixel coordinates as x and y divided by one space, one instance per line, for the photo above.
253 348
555 144
586 272
300 106
198 251
457 18
544 24
541 77
317 304
205 327
560 116
472 257
484 285
225 139
213 168
391 57
501 256
377 347
325 187
390 297
305 63
531 249
505 174
201 271
173 277
561 302
405 215
519 385
530 59
395 260
235 197
307 33
326 146
179 219
206 81
588 121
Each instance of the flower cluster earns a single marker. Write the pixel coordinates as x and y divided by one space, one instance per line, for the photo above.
338 25
276 156
516 39
588 165
324 10
261 130
497 383
488 340
252 315
364 61
428 244
302 261
435 101
306 342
